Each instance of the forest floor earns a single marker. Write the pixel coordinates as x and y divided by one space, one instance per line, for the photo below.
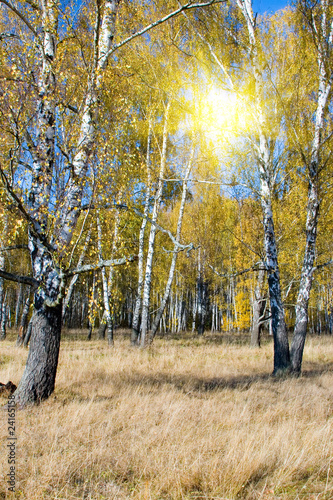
188 418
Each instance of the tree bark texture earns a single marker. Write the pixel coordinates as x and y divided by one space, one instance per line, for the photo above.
202 304
39 376
264 155
258 309
322 32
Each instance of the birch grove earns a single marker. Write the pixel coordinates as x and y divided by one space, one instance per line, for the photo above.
109 218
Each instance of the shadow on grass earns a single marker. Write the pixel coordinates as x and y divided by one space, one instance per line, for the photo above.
188 383
192 386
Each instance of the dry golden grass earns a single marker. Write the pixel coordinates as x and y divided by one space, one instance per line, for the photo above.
186 419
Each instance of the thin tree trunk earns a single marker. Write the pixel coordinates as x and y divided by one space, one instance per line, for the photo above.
138 301
175 252
202 294
28 334
4 319
105 324
74 279
323 31
91 307
102 326
2 291
18 304
151 243
264 158
258 309
24 322
106 303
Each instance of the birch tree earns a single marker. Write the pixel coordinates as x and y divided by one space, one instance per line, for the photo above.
318 19
138 301
264 149
106 293
175 252
151 243
51 229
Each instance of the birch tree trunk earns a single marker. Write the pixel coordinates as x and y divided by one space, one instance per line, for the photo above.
151 243
138 301
104 324
175 252
28 333
322 32
74 279
24 322
264 158
38 379
108 317
18 304
202 301
258 310
5 317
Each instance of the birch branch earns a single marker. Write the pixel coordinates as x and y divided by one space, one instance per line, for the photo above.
32 4
188 6
27 280
100 265
160 228
19 205
8 35
256 267
325 264
20 15
212 52
14 247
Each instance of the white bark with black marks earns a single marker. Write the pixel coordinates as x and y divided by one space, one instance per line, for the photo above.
151 243
322 33
106 302
166 294
265 165
138 301
258 308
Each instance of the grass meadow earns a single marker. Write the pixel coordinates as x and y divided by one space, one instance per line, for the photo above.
188 418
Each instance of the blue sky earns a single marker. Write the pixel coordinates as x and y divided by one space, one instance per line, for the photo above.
262 6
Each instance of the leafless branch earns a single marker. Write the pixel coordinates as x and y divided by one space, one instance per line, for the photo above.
160 228
7 35
32 4
325 264
19 205
27 280
100 265
256 267
14 247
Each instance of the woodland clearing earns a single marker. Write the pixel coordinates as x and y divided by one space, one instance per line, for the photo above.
187 418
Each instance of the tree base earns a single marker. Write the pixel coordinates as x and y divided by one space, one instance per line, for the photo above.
38 379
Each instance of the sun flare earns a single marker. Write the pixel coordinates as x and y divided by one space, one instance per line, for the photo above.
221 115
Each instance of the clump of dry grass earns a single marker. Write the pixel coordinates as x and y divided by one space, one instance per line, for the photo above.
186 419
